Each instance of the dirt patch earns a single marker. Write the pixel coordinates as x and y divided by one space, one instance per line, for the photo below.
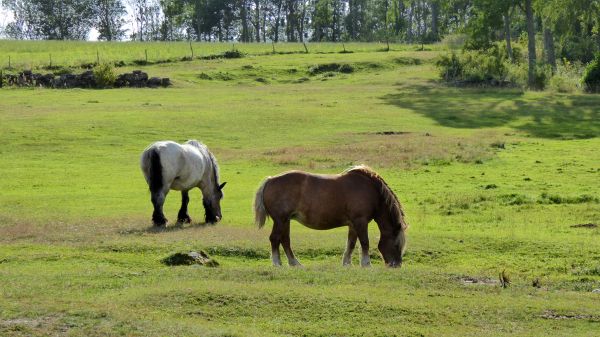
551 314
585 225
391 133
470 280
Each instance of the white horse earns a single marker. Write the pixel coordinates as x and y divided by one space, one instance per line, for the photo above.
170 166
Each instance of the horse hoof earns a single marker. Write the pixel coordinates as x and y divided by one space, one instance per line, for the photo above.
187 220
159 222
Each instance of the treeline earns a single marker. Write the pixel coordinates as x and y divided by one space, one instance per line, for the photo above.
568 28
240 20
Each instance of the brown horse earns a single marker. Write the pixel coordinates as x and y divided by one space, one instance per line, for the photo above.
352 198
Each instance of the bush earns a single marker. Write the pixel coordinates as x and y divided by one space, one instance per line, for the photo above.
233 54
567 77
542 74
454 41
591 75
104 75
475 67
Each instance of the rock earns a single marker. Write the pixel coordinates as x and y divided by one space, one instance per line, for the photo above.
596 291
191 258
154 82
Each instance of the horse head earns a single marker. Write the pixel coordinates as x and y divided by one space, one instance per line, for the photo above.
392 248
212 204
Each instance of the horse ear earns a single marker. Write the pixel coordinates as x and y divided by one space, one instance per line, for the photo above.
222 185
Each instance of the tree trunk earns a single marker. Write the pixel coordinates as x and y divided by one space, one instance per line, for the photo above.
257 18
435 17
549 48
530 43
409 27
244 14
507 36
277 21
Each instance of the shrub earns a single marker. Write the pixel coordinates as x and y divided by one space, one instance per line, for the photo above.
104 75
233 54
541 74
330 67
454 41
475 67
567 77
591 75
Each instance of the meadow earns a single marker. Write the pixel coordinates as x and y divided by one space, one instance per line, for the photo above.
493 181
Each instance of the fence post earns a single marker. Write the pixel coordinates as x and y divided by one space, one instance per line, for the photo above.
305 48
51 61
146 52
1 79
97 57
192 49
9 66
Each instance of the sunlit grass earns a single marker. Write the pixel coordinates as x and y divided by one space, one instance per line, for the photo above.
490 180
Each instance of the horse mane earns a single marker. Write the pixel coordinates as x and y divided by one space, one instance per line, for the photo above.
211 157
391 200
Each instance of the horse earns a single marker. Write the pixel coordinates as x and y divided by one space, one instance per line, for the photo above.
352 198
168 165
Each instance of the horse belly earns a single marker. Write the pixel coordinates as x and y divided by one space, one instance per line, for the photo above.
183 184
320 222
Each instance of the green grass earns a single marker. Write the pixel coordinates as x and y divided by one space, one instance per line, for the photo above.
491 180
39 54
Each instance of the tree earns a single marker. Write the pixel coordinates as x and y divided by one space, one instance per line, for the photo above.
50 19
110 19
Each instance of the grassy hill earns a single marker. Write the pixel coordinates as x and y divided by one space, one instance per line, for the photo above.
492 180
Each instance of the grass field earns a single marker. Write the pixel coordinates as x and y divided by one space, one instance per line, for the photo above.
491 181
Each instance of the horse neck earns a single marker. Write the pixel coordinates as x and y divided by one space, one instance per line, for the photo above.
386 221
209 180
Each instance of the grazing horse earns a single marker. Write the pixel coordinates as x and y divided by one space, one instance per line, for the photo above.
170 166
352 198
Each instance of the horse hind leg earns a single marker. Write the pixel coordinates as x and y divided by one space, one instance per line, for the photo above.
275 238
183 216
352 236
158 200
287 248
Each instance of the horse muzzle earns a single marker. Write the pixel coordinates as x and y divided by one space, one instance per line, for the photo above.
394 264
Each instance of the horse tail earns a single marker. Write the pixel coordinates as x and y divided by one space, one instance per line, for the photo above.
260 212
155 177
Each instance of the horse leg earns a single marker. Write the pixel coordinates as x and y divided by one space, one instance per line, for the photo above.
363 237
287 248
352 236
158 200
183 216
275 238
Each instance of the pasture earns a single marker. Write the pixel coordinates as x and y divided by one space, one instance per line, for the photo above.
491 180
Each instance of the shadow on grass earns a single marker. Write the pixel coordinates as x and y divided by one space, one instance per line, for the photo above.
545 115
166 229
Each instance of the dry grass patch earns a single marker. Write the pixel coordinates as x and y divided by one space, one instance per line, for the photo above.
389 149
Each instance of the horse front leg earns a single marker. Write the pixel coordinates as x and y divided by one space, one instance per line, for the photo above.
158 200
183 216
363 237
352 236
